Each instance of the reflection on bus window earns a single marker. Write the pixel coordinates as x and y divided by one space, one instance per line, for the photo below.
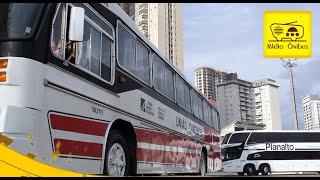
169 83
95 51
83 48
231 153
126 49
238 138
159 74
142 64
183 94
56 41
106 58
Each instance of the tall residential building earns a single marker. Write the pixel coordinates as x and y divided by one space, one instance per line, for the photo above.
207 79
311 112
235 101
267 103
129 8
162 23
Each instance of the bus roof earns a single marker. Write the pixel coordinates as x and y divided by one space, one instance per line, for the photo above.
117 10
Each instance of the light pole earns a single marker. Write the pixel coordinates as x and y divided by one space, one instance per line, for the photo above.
290 64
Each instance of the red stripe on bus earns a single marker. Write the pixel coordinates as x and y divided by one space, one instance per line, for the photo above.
149 155
79 148
160 138
78 125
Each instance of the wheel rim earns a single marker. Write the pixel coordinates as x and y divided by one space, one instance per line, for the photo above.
116 160
266 170
250 171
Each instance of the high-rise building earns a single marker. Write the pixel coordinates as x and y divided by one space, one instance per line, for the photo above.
267 103
311 112
162 23
235 100
129 8
207 79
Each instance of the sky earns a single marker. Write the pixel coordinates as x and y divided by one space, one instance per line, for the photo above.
229 37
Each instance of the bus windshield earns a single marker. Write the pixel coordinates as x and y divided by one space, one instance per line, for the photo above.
225 140
19 20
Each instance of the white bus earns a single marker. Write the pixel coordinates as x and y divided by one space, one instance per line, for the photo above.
255 152
83 89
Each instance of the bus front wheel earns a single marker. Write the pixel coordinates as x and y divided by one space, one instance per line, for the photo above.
116 159
249 169
264 169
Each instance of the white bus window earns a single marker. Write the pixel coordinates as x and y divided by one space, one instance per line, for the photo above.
106 58
158 74
126 49
257 138
95 51
143 68
84 48
226 138
57 32
169 84
238 138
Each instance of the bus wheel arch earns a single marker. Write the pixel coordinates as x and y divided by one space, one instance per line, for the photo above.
249 169
125 128
265 169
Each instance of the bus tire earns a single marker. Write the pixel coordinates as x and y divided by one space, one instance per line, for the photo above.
265 169
203 164
116 165
240 173
249 169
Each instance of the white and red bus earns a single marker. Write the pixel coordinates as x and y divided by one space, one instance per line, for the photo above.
83 89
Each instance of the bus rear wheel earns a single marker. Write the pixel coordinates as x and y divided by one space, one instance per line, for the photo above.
249 169
116 158
265 169
203 165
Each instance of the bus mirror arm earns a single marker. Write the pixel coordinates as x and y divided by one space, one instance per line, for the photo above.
66 62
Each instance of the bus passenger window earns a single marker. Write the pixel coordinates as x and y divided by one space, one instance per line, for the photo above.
106 58
83 48
95 51
159 74
126 49
142 64
169 83
56 40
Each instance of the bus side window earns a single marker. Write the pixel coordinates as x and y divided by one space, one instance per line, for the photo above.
94 52
83 48
106 58
57 33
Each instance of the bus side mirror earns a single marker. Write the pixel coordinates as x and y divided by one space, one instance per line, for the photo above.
76 24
